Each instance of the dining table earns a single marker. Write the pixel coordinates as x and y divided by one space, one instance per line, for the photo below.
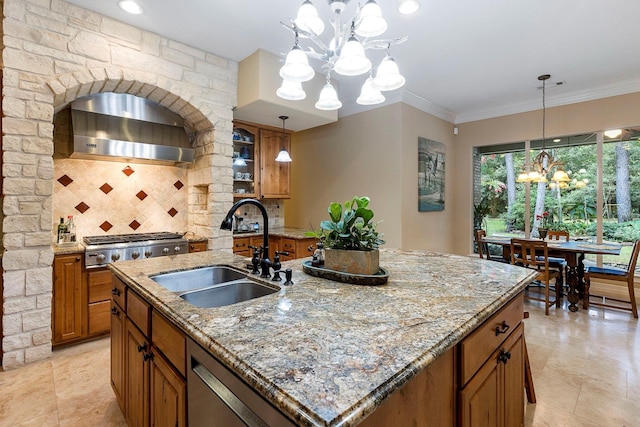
573 251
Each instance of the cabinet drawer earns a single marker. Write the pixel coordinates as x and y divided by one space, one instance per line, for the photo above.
170 341
240 244
138 311
99 317
288 245
99 285
197 247
117 292
478 347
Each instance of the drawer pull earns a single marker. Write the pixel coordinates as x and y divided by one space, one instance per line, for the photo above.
115 311
240 245
502 329
115 291
142 347
504 356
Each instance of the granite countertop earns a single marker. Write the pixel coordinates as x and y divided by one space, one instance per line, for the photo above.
328 353
287 232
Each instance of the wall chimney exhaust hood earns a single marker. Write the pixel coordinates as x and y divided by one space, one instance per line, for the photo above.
123 127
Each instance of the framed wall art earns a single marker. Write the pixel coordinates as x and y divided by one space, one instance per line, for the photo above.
431 166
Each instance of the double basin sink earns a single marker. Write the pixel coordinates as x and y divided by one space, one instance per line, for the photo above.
214 286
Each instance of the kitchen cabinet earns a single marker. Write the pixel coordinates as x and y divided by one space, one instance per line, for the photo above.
245 160
69 299
262 177
297 248
147 362
81 300
197 247
492 388
274 176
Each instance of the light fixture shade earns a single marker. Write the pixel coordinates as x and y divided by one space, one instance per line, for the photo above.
308 19
296 67
560 176
291 90
523 177
613 133
407 7
369 95
352 61
388 76
371 22
283 156
328 99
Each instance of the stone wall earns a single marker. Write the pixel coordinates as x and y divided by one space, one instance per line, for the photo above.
53 53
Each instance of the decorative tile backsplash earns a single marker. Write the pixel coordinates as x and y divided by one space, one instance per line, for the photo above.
119 198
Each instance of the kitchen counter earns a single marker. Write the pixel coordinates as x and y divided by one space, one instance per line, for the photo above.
328 353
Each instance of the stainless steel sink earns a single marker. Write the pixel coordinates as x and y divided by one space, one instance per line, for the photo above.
198 278
227 293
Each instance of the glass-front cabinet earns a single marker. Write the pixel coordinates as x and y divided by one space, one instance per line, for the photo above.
245 154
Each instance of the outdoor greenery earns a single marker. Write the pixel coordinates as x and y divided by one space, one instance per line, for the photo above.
350 226
573 208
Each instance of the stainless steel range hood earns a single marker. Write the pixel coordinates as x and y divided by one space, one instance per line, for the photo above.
118 126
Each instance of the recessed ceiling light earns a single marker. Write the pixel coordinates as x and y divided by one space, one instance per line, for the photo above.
130 6
407 7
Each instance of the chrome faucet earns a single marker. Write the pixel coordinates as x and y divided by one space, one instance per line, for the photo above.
227 224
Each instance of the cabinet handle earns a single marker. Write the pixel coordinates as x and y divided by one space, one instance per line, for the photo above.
78 259
115 311
142 347
115 291
504 356
147 357
240 245
502 329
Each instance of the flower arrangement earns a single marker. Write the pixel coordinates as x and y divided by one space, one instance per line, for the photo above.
542 219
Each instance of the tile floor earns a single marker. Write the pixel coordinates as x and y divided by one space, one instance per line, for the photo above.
586 371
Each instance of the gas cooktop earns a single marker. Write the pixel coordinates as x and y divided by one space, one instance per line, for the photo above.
129 238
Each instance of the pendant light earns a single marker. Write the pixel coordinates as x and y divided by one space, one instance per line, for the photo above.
283 155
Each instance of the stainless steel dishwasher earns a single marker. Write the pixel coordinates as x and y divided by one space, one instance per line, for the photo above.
217 397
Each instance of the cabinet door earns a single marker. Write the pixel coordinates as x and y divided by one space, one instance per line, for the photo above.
514 379
137 355
99 289
274 176
69 299
245 160
168 394
117 353
480 399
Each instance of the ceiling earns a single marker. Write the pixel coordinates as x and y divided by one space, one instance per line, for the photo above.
464 60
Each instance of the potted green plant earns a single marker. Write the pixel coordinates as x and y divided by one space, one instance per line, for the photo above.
350 238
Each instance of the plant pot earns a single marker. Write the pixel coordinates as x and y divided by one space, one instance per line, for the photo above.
352 262
542 232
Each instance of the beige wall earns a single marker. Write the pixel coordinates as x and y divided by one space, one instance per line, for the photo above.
374 154
591 116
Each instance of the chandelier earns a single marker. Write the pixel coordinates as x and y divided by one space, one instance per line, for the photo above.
544 161
344 54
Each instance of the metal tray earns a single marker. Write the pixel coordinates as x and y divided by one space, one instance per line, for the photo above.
377 279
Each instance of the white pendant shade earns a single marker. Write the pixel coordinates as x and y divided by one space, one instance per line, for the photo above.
328 99
283 156
296 67
388 76
308 19
371 22
353 61
130 6
369 95
407 7
291 90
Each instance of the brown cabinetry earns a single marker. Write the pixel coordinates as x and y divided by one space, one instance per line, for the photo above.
81 300
256 174
147 362
197 247
297 248
69 299
492 371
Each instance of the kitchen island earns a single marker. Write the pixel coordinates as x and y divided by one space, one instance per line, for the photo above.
327 353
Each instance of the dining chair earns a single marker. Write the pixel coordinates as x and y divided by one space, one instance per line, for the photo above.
534 254
614 274
483 248
557 262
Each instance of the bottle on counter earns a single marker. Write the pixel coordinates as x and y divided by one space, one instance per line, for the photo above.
62 229
71 229
319 253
